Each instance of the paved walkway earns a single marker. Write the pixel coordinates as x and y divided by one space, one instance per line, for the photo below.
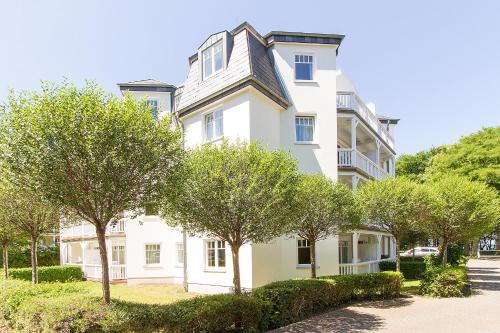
478 313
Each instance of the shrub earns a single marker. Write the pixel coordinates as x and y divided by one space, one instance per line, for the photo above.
444 282
49 274
20 256
294 300
410 269
66 307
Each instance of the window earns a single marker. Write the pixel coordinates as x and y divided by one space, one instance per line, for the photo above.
179 253
216 253
118 255
152 254
304 129
303 67
153 104
214 125
212 60
303 252
343 252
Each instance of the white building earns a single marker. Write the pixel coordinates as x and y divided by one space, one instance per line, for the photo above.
284 90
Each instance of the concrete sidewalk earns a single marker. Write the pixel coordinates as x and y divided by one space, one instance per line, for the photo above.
478 313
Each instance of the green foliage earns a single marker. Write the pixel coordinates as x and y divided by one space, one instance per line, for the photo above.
295 300
322 208
444 282
461 210
236 192
20 256
66 307
476 156
414 166
49 274
410 269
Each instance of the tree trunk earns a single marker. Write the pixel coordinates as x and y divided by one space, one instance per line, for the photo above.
413 252
398 256
101 238
5 252
444 252
34 260
235 249
312 257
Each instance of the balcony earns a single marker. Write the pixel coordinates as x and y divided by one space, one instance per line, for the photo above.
350 101
349 158
87 230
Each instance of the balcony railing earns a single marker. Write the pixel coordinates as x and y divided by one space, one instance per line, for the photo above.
347 158
87 229
361 267
350 101
93 271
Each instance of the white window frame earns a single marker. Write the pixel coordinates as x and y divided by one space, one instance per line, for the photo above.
313 67
305 115
297 254
177 249
217 267
146 264
211 49
205 116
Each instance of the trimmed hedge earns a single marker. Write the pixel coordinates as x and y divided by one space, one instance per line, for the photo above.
295 300
445 282
65 307
20 256
410 269
49 274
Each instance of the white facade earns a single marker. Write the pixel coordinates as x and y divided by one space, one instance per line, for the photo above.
282 90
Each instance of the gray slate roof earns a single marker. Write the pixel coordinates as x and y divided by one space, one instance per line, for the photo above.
147 83
249 63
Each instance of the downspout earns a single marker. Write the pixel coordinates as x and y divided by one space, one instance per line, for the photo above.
180 125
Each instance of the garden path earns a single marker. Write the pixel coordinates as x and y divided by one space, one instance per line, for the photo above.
476 314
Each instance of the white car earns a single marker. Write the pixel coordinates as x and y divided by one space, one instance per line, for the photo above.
421 252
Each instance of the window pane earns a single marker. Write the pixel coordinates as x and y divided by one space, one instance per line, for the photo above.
303 71
209 127
219 125
217 56
207 62
152 254
180 253
304 256
304 129
221 253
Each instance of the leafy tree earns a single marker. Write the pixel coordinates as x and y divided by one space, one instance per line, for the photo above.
476 156
323 208
90 152
394 205
25 213
461 210
414 166
237 193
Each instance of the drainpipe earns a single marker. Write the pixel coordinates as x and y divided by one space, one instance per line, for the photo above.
184 245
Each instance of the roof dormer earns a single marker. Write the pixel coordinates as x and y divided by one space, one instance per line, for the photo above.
214 53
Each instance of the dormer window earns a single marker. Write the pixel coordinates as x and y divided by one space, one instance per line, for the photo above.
212 60
303 67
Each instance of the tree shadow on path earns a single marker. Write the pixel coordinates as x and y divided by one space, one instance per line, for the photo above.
340 320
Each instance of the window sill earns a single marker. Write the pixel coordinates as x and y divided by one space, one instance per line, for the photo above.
153 266
215 270
306 143
306 81
303 266
219 138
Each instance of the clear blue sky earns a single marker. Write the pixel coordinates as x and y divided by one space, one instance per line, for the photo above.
433 64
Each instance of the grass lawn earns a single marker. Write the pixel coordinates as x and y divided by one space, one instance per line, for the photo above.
151 294
411 287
